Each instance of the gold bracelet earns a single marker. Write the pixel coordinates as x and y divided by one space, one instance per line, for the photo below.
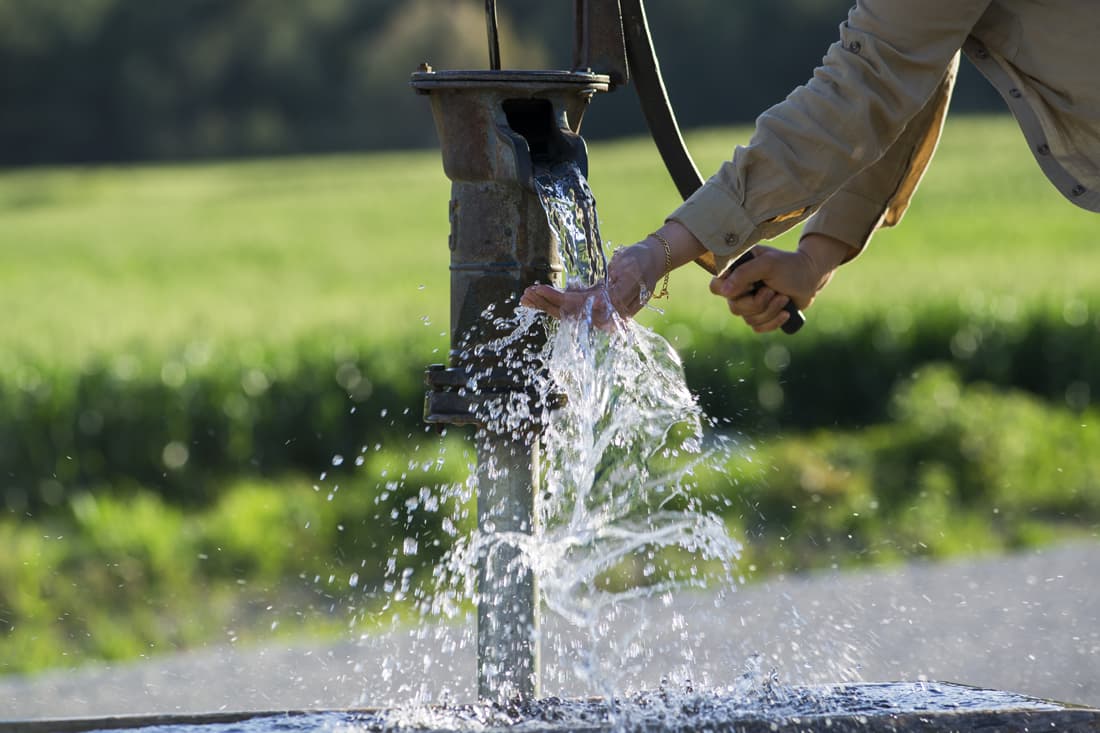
668 264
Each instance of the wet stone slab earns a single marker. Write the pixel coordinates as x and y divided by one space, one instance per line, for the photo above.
931 706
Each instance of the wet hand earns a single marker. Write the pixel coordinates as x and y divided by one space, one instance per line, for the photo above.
592 303
632 275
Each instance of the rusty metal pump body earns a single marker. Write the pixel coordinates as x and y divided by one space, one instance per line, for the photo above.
495 128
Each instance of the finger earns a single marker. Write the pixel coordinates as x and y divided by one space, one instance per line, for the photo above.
745 305
752 304
764 297
543 291
739 281
626 299
543 298
617 294
774 308
573 304
772 324
583 303
717 286
603 312
539 296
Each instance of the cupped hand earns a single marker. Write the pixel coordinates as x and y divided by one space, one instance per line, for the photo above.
632 275
591 303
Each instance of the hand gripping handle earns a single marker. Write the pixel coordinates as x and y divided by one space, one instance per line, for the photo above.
796 321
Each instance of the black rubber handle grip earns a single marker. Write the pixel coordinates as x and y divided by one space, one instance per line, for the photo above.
796 320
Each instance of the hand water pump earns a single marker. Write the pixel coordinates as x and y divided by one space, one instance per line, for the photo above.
494 127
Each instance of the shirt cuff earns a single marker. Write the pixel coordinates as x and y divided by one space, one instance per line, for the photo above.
846 216
717 219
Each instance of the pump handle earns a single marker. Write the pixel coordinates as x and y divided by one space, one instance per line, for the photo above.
653 96
646 73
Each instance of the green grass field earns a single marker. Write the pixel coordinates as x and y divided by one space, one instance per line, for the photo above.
237 255
147 261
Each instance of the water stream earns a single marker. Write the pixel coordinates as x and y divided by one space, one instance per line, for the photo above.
618 519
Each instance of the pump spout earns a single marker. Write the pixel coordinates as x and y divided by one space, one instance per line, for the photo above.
540 137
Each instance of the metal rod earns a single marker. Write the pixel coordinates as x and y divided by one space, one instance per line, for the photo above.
581 44
494 37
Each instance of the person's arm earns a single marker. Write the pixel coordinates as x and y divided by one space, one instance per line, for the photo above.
892 57
632 277
891 66
634 273
878 196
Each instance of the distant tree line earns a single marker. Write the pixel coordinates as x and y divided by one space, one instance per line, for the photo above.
124 80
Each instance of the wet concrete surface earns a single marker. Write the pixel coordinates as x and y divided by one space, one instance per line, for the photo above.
1027 623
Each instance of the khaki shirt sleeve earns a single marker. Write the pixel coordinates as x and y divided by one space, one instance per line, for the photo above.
878 195
891 58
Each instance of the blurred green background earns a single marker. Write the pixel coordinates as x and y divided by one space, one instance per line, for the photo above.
212 343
